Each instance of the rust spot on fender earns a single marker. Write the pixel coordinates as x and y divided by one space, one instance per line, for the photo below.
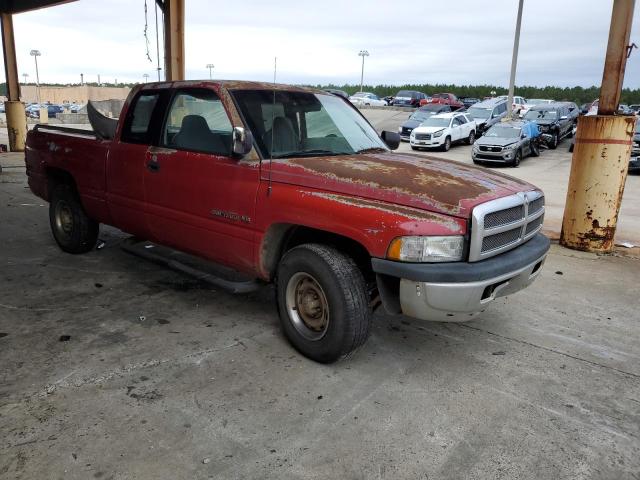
408 213
438 183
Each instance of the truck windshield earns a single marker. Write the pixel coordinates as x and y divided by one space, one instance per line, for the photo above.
436 122
500 131
479 113
295 124
541 115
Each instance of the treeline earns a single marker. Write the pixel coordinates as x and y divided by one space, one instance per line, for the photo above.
579 95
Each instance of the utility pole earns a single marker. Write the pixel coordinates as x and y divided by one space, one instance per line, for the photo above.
146 77
35 54
362 53
514 61
602 151
25 75
210 67
82 79
99 84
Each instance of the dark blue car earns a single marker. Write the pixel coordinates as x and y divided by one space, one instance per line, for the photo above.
419 116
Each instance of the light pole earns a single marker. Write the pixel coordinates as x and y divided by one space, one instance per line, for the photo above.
362 53
25 75
146 77
210 67
35 54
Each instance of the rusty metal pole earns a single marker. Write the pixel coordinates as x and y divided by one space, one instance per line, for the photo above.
601 152
514 62
174 39
14 108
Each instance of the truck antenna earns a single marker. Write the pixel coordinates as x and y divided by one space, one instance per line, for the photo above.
273 114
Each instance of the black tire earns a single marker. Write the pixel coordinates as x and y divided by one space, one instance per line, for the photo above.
517 159
72 229
571 147
344 321
447 144
535 149
471 138
555 139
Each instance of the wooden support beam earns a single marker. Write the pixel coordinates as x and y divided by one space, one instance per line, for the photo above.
10 62
174 39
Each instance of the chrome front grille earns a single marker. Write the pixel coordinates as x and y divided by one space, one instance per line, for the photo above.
505 223
422 136
502 217
489 148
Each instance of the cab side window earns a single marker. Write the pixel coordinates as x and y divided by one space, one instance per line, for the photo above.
197 121
137 124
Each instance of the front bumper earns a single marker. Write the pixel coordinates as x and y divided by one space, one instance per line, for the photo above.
503 156
457 292
434 142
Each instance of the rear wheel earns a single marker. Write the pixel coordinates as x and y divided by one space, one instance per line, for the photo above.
471 138
535 149
447 144
72 229
323 302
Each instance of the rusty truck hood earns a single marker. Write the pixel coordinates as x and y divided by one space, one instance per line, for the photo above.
428 183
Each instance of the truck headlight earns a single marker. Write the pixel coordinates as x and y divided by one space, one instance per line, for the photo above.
438 133
427 249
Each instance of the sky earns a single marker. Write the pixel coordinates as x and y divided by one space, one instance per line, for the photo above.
465 42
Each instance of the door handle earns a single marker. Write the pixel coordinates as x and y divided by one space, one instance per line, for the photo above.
153 166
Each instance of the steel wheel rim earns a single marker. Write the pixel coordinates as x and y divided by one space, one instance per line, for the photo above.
307 306
64 218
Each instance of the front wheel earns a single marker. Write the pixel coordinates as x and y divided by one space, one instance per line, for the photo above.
447 144
553 144
72 228
517 159
471 138
323 302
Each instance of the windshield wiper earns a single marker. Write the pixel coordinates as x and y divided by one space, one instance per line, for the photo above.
308 153
371 150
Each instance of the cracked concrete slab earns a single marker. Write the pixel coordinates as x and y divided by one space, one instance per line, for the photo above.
163 377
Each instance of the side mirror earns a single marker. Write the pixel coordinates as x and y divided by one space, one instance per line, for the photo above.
392 139
242 141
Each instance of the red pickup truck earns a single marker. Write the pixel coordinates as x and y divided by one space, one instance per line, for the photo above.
444 99
292 185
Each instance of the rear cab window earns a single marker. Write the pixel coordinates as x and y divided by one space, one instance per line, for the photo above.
138 126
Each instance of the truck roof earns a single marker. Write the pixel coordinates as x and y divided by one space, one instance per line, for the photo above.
231 85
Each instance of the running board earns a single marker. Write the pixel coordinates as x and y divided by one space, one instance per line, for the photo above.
206 271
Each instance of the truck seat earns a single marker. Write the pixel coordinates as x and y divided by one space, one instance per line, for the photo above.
194 134
284 136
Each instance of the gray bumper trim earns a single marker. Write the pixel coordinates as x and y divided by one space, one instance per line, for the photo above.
493 267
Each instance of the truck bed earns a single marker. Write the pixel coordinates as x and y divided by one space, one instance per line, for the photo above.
52 148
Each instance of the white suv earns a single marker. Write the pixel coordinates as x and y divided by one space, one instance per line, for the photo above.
518 103
442 130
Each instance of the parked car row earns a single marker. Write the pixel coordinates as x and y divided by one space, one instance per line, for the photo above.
33 109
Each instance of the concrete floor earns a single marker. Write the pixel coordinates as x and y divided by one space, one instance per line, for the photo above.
162 377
